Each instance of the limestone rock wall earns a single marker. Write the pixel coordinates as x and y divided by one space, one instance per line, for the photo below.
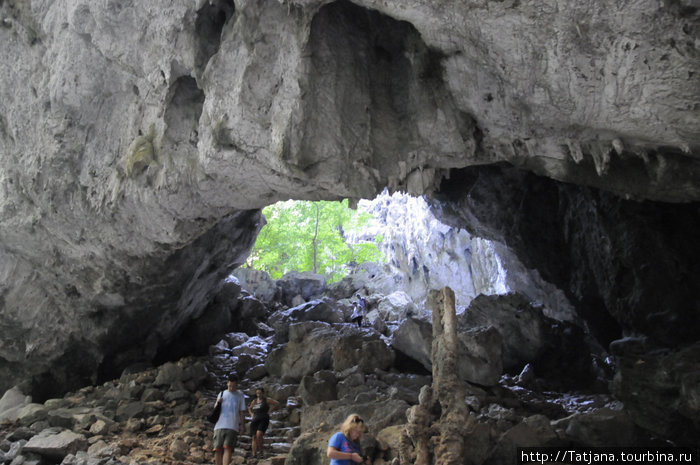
426 254
138 139
628 267
624 264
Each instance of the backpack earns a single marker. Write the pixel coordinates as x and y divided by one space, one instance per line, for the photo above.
213 416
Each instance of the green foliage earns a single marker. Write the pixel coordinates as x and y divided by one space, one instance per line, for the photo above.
310 236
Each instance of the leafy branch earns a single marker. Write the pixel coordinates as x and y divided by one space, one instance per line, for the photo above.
312 236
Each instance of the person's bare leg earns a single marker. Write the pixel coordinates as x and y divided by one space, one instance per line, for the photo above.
218 457
254 444
227 456
259 435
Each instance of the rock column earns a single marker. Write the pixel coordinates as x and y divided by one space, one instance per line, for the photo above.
447 386
440 442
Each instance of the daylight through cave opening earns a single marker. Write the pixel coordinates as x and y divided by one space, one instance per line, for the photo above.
395 236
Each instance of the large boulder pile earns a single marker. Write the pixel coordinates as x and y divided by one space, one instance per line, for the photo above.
153 415
320 372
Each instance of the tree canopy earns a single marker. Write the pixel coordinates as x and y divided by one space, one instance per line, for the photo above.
312 236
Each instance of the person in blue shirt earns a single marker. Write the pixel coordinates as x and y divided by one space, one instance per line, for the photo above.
344 446
231 421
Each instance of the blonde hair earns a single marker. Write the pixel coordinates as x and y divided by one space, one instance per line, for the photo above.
352 422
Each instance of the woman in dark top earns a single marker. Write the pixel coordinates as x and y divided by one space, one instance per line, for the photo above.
260 409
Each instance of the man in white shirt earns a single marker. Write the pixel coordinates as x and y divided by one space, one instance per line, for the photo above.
231 421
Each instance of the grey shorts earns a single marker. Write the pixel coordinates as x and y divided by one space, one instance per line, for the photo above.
226 438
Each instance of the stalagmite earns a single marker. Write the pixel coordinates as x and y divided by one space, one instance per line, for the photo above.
440 441
450 390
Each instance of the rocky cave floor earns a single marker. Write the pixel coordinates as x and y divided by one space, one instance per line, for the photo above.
157 416
320 368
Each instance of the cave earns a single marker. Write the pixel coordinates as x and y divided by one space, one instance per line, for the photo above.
140 142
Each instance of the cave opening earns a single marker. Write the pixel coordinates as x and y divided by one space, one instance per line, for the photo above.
393 234
321 237
420 252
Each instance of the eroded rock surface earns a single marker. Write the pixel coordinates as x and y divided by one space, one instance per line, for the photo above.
138 142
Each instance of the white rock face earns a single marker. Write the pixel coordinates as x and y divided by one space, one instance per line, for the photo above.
138 138
423 254
426 254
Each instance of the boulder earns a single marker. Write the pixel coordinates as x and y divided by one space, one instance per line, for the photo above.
601 427
254 346
394 307
351 385
101 427
168 374
284 393
366 352
480 440
404 386
102 449
248 313
521 325
480 359
310 448
234 339
296 301
378 414
195 373
257 372
533 431
305 284
56 444
9 453
308 351
31 413
414 339
130 410
319 387
11 402
316 310
62 417
279 321
657 386
389 442
257 282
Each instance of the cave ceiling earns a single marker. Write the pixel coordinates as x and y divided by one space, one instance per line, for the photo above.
139 140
